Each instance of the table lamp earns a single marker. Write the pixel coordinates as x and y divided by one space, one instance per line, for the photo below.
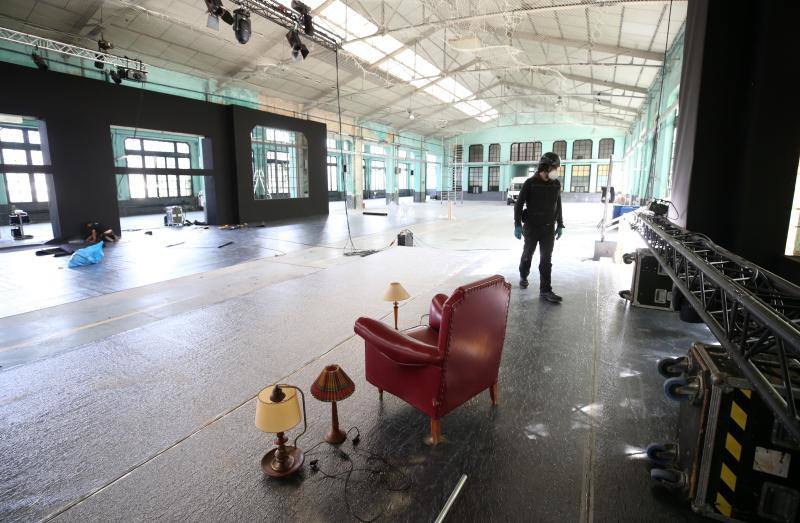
331 386
277 411
395 293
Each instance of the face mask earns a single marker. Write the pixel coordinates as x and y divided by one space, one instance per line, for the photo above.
553 174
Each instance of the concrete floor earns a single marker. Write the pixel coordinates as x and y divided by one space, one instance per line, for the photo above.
138 404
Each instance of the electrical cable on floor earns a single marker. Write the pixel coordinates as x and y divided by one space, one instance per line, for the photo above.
346 475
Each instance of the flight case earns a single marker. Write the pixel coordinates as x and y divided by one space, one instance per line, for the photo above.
734 461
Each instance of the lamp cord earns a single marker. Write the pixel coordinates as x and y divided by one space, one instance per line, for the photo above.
347 474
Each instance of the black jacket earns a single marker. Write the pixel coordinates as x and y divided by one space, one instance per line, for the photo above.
542 200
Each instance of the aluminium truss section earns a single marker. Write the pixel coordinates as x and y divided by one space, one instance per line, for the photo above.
290 19
750 310
46 44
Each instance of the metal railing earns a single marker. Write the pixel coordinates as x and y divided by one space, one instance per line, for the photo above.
750 310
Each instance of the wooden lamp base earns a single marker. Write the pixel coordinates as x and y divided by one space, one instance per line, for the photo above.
294 460
335 436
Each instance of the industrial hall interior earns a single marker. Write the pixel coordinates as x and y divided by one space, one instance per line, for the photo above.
399 260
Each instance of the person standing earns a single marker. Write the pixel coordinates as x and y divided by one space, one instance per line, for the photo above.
540 197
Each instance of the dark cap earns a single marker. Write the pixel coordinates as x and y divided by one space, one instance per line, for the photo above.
550 160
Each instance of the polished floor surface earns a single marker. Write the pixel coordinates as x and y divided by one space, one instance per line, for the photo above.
138 404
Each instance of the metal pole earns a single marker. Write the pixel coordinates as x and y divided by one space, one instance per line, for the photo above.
451 499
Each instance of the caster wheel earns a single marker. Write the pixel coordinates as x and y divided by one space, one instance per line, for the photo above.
668 478
661 454
629 257
672 367
625 295
675 389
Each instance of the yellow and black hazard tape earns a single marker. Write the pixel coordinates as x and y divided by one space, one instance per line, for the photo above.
737 428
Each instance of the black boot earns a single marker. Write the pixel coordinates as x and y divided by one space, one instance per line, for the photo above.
523 283
550 296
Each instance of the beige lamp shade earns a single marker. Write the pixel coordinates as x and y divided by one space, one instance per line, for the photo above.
395 292
277 416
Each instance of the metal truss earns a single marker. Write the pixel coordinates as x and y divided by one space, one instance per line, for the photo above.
290 19
752 312
45 44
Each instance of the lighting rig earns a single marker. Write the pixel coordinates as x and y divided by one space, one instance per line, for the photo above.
294 19
123 68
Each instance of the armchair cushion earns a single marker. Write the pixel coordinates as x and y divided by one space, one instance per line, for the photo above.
397 346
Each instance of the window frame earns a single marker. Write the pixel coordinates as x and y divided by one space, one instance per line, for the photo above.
475 153
580 146
494 152
587 176
494 176
475 174
556 145
28 147
602 148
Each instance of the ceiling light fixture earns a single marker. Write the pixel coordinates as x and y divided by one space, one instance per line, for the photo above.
241 25
410 114
215 12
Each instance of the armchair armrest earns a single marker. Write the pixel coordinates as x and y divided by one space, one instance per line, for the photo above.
397 346
437 307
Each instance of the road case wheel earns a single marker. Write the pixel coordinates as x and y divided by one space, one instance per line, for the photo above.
661 454
668 478
672 367
679 389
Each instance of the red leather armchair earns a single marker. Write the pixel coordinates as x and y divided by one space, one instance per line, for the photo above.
456 356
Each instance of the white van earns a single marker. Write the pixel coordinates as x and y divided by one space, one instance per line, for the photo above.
514 188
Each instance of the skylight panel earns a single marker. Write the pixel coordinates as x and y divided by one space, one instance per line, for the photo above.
397 69
416 63
437 91
364 51
350 22
464 107
384 43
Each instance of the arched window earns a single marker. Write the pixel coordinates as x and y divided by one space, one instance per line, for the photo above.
494 152
476 153
560 148
606 148
581 149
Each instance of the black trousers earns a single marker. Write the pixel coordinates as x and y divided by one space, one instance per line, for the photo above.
545 237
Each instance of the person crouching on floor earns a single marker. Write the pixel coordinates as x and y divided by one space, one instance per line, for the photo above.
98 232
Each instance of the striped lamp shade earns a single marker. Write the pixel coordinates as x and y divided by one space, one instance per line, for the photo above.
332 385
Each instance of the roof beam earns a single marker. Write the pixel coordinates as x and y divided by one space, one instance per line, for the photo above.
604 83
510 14
593 46
603 103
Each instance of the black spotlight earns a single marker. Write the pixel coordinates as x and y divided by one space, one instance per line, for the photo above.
118 74
299 50
308 21
39 61
215 9
241 25
103 46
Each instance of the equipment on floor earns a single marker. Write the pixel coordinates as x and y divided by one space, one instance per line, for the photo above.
751 311
659 207
405 238
651 286
173 216
733 459
277 411
17 219
605 248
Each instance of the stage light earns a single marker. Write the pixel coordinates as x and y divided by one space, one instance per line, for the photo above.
39 61
117 75
215 12
299 50
303 9
103 46
241 25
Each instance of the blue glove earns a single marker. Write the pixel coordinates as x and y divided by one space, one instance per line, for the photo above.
518 232
559 232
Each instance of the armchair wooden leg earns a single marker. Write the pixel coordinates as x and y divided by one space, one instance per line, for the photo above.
493 393
380 393
436 431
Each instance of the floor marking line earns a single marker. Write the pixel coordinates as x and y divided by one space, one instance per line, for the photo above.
587 487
